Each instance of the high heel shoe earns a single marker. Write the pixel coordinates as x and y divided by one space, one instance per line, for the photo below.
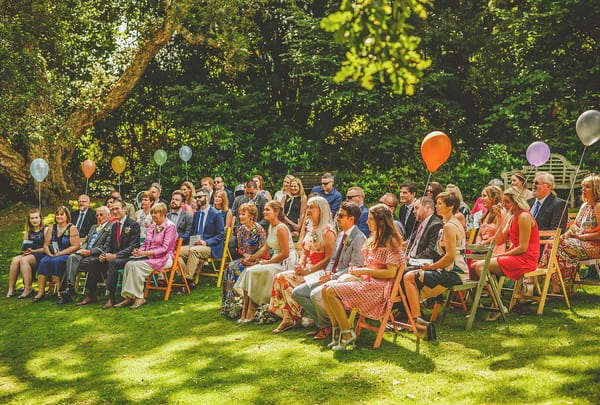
335 340
344 343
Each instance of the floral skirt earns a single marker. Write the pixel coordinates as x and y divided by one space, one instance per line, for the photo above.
282 303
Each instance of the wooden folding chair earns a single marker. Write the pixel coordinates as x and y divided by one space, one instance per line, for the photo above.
546 272
169 274
223 260
478 252
397 295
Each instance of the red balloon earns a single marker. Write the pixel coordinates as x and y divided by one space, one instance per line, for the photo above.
88 168
435 149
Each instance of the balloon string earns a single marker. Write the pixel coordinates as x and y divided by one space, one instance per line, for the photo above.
410 246
86 185
572 185
40 196
159 171
119 174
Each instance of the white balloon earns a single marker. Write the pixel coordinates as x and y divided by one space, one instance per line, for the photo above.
588 127
39 169
185 153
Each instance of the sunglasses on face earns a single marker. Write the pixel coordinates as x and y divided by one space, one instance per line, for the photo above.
349 197
200 196
325 183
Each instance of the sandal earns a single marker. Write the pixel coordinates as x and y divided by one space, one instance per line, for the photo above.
284 325
344 343
425 330
28 295
335 337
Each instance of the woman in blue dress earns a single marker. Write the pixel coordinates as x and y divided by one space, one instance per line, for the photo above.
251 236
32 251
60 241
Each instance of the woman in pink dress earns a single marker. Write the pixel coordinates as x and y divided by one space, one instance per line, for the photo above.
370 294
317 247
522 231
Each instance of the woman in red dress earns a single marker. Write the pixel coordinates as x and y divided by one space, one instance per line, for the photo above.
370 294
522 231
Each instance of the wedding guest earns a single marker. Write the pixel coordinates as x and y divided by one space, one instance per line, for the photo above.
221 204
129 208
60 241
317 248
464 212
370 293
254 284
182 219
491 197
285 189
519 180
408 194
85 217
156 253
32 251
144 218
260 186
250 236
189 191
522 231
548 210
582 240
220 186
294 206
444 273
327 191
357 195
156 190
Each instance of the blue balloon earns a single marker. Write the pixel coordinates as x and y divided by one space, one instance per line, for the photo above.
39 169
185 153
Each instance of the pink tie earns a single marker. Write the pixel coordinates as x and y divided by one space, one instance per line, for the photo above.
339 254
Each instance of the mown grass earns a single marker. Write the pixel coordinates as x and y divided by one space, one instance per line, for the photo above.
183 351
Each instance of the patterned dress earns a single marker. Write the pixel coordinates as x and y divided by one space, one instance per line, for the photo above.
249 241
371 295
571 250
145 220
282 303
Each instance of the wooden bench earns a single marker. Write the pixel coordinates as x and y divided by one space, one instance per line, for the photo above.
563 171
311 179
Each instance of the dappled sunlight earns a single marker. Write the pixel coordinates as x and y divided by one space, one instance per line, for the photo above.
58 363
10 385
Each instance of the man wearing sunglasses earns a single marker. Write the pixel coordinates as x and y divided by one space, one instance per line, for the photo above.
357 195
408 193
327 191
81 260
547 209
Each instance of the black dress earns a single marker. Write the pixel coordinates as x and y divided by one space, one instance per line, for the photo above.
291 209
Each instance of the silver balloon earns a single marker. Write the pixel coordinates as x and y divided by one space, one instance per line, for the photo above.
588 127
185 153
39 169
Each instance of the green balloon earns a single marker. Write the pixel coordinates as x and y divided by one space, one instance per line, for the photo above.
160 157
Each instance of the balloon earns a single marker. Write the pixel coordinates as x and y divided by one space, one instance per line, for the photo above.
588 127
118 164
538 153
160 157
435 149
185 153
39 169
88 167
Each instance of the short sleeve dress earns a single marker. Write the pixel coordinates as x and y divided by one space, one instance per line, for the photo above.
35 241
515 266
371 295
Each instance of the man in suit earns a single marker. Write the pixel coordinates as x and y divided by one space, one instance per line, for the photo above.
85 217
181 219
220 186
422 243
250 196
347 253
357 195
208 225
82 259
123 238
328 192
408 192
547 209
129 208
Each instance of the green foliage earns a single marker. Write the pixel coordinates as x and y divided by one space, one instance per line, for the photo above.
375 33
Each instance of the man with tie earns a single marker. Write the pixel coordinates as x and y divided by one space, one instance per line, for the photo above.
547 209
422 243
408 192
181 218
85 217
347 253
206 239
123 238
82 259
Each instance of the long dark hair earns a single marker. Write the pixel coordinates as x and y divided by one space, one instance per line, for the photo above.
385 233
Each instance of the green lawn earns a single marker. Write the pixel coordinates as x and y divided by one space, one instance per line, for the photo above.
183 351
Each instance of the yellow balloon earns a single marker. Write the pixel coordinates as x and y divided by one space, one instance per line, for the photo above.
118 164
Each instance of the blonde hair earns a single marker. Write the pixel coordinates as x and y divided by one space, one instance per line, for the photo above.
454 189
159 208
594 180
296 180
325 217
515 195
224 200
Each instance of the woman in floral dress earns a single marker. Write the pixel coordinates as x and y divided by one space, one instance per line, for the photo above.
251 236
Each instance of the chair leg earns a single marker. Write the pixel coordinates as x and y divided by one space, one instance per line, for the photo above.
516 294
361 319
544 293
564 288
434 312
496 292
382 325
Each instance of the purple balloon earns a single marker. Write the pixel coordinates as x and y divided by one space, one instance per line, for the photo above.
538 153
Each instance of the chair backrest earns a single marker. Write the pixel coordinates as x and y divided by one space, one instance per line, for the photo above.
472 235
481 252
177 252
551 237
226 251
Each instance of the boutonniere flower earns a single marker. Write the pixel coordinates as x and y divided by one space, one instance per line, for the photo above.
348 242
126 230
159 228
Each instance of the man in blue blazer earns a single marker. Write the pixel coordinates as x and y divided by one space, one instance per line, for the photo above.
207 236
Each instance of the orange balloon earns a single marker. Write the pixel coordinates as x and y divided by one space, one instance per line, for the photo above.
435 149
118 164
88 167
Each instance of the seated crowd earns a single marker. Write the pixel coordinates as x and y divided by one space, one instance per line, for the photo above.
346 256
